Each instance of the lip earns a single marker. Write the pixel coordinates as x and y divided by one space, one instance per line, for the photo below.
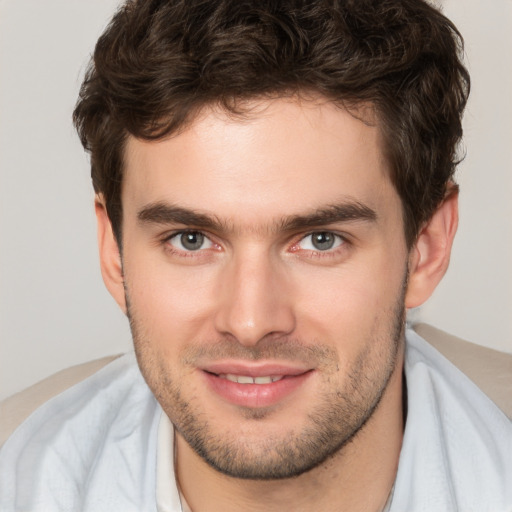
254 395
259 369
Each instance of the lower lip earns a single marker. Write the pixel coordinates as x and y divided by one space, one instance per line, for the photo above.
256 395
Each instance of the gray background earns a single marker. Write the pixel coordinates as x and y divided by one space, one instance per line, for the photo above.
54 310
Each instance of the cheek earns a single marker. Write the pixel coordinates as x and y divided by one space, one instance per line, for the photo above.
346 305
172 305
351 304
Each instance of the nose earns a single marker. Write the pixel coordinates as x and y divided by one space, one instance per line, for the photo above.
254 300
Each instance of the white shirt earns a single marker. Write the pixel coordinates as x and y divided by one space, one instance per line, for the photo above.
97 446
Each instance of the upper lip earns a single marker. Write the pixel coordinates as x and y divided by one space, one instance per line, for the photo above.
259 369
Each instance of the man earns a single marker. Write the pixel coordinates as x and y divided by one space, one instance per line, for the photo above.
274 189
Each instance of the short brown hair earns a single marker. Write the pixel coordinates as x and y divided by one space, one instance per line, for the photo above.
160 61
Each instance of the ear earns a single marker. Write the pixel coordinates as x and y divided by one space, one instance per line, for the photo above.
430 256
110 256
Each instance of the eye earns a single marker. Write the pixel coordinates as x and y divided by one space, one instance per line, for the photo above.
190 241
320 241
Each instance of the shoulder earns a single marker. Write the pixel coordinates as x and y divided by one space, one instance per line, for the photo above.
457 446
96 433
17 408
490 370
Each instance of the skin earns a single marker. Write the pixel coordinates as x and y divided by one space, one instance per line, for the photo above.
258 292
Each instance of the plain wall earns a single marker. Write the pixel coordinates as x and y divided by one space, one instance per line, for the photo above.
54 310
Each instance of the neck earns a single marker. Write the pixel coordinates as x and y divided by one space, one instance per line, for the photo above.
358 478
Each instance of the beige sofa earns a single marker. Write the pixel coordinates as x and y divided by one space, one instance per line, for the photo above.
490 369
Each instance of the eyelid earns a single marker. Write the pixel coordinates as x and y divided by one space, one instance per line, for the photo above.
340 242
175 235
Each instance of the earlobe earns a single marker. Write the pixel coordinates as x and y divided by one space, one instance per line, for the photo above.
110 257
430 256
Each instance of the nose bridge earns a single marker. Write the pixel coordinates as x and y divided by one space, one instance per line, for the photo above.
253 301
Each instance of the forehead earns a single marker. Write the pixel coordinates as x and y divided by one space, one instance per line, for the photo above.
285 156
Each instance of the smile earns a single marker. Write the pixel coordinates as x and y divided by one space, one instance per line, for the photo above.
255 387
246 379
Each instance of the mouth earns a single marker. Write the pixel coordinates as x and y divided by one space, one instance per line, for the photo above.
247 379
255 386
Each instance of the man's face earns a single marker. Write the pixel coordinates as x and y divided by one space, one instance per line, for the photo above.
265 265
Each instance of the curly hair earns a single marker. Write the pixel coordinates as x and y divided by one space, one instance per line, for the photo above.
160 61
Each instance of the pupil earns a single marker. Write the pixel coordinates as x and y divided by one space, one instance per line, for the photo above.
323 241
192 241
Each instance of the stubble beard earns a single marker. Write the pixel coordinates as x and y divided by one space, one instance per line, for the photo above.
336 419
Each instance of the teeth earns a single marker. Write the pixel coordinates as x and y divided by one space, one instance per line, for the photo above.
262 380
245 379
242 379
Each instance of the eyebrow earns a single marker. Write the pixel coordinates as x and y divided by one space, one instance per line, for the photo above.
347 211
331 214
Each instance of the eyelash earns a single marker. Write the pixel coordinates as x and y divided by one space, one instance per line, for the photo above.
339 240
183 252
333 252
